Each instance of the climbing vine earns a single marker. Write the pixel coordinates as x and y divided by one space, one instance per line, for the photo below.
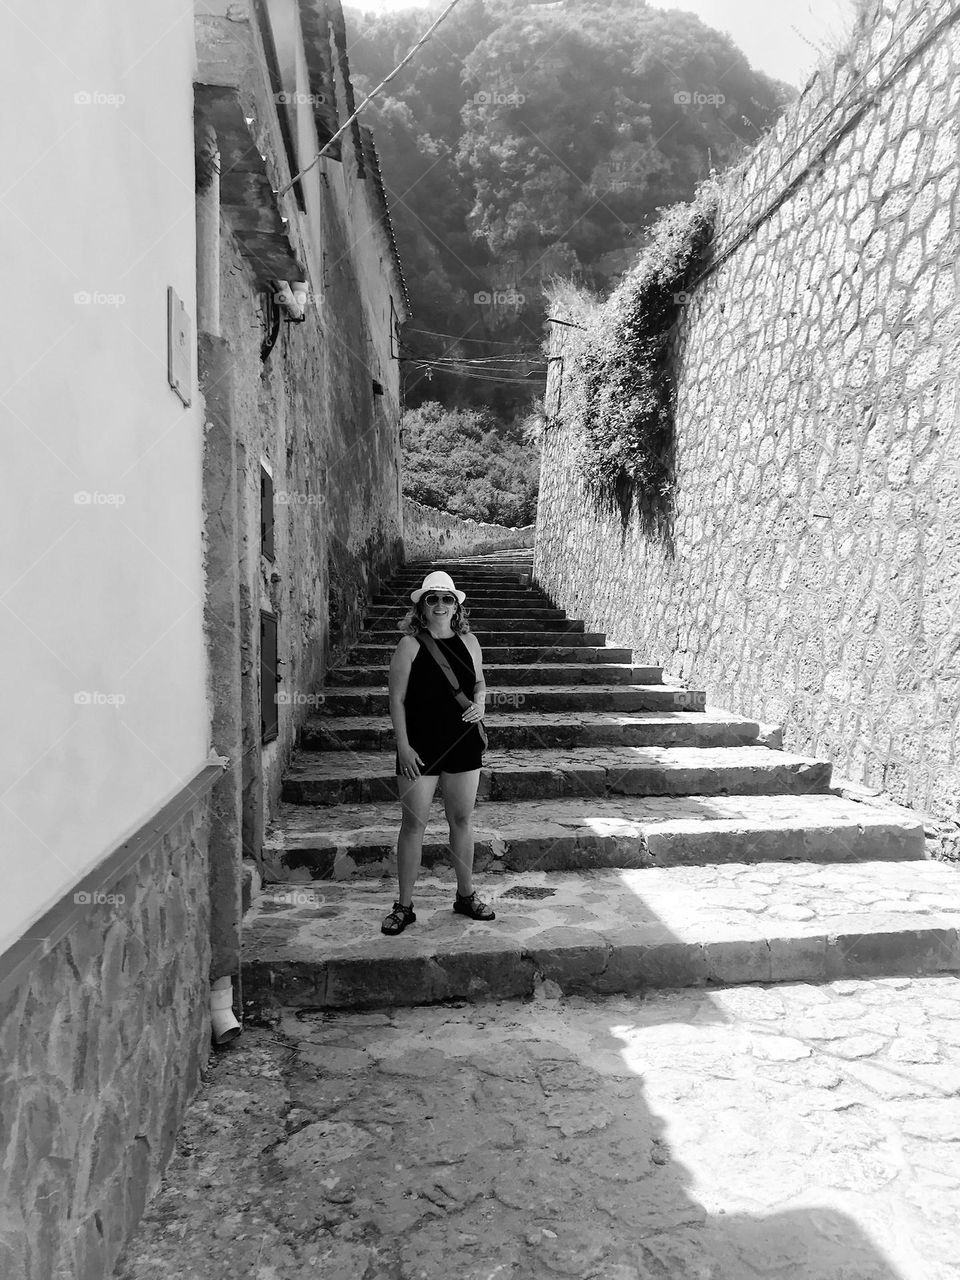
619 386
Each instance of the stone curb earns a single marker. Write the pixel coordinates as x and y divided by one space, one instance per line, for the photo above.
591 966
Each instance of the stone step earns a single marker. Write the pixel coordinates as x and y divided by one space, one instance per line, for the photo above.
565 835
531 617
466 568
498 675
359 777
602 931
504 628
520 577
400 594
712 727
379 655
370 701
568 636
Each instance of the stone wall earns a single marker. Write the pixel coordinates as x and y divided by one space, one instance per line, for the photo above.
102 1039
430 534
814 578
332 446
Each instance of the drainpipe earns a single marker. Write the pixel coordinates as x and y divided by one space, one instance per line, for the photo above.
225 904
223 1024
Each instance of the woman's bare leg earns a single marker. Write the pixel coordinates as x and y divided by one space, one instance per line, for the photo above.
459 799
415 797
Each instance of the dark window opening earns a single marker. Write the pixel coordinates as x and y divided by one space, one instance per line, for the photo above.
269 677
266 513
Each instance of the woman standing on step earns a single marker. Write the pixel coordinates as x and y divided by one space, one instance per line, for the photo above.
436 738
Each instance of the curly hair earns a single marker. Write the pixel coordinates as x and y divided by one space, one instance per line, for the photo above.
415 620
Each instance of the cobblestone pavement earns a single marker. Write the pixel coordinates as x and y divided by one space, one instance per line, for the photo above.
793 1131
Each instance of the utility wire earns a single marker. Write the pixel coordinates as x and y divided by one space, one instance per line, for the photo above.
424 367
489 342
369 98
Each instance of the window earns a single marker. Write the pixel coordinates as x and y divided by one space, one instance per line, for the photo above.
266 513
269 679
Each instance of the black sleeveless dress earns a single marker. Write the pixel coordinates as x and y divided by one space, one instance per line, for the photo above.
444 741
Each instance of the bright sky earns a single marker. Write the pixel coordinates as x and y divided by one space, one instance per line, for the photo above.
784 38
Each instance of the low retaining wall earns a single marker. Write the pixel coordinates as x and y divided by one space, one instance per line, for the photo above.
432 534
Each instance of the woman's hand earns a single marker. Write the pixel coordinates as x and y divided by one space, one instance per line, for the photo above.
410 762
474 712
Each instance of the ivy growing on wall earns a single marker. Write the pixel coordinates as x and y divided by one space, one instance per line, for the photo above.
619 386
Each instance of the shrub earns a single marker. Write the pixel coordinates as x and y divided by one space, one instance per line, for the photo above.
619 387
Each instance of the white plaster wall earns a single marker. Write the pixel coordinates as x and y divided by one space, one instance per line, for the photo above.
99 598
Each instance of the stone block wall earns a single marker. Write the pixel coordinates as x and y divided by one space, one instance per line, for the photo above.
814 578
432 534
329 442
102 1039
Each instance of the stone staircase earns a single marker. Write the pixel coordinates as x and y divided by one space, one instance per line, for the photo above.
629 835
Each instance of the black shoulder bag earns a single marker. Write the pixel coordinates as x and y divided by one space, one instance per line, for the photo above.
435 653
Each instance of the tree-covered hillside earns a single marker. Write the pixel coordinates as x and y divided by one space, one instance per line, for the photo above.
530 140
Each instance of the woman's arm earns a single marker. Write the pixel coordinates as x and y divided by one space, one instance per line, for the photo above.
480 688
399 678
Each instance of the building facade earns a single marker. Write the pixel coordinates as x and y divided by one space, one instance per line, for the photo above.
201 400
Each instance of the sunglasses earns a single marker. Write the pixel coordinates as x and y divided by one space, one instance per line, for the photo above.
433 598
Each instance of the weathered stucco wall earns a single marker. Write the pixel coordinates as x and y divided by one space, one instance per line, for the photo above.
816 575
102 474
431 534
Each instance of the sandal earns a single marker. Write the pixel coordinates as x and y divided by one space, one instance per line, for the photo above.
398 919
473 907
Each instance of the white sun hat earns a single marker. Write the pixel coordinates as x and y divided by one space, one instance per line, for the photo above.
438 582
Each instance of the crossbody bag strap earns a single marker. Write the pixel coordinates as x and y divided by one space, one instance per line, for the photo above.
439 658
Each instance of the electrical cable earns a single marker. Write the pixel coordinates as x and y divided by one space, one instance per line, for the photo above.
369 98
490 342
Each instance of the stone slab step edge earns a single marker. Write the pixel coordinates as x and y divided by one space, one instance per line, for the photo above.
529 698
500 674
831 830
328 780
281 968
711 727
379 655
510 629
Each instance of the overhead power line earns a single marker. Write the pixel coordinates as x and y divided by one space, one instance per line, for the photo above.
452 337
369 98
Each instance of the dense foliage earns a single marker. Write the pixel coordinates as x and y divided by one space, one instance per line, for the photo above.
466 462
528 141
619 385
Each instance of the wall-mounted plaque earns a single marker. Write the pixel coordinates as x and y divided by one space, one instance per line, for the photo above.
178 346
